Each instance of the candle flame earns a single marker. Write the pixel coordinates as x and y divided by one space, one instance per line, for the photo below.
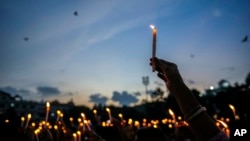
82 114
29 116
231 107
120 115
222 123
47 104
152 26
171 112
107 109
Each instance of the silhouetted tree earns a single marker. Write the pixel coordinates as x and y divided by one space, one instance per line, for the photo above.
248 79
157 95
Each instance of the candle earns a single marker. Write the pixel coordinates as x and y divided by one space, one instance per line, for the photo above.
121 117
109 112
47 111
58 115
83 116
172 114
86 123
22 121
36 134
79 135
74 136
236 117
28 119
95 113
153 45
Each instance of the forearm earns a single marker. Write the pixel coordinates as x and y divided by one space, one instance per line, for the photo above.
202 125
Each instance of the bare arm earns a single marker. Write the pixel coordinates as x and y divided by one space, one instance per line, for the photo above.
202 125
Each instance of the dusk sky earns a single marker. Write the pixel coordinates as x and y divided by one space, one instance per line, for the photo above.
101 53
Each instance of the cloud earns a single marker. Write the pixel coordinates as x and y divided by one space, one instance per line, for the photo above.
137 94
15 91
47 90
124 98
97 98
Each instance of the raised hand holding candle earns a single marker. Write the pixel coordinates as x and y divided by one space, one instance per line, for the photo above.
153 45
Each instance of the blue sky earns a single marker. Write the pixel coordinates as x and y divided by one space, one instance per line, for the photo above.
102 53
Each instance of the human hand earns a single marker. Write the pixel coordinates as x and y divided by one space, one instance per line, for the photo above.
168 72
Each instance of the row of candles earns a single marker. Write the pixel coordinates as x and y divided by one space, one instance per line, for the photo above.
85 124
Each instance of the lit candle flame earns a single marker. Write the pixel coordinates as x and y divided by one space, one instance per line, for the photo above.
232 108
47 105
95 112
223 123
152 26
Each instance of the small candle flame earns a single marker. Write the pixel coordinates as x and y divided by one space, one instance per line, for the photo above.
82 114
29 116
231 107
152 26
171 112
222 123
107 109
47 104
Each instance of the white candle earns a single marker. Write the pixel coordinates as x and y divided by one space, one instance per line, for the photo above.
47 111
109 113
153 45
58 115
28 119
79 135
172 114
86 123
36 134
75 136
22 121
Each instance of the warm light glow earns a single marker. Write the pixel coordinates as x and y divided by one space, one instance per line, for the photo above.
120 115
107 109
152 26
172 114
47 105
95 112
223 123
29 116
79 135
109 112
232 108
58 112
83 116
74 136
